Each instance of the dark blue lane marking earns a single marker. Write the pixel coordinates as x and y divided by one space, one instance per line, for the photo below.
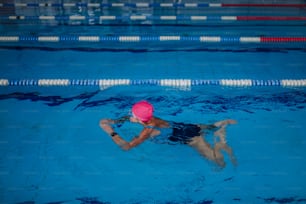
292 199
294 100
196 48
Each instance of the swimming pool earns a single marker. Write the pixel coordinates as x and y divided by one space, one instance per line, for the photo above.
61 75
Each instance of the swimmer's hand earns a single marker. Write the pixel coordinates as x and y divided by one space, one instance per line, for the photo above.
105 124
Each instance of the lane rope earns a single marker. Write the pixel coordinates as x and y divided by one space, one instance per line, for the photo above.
179 83
133 18
152 38
149 5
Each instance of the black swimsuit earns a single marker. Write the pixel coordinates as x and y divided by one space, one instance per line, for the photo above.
177 133
183 133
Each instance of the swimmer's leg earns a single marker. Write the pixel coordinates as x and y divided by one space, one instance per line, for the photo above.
221 123
221 145
221 134
219 158
205 150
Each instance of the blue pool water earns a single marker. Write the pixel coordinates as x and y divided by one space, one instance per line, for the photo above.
52 149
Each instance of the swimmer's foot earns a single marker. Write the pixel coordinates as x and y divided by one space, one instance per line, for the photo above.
233 160
222 146
223 123
231 155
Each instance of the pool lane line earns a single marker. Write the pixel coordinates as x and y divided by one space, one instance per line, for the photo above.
105 83
165 38
198 18
135 18
151 5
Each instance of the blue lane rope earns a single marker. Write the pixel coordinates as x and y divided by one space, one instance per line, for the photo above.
135 18
179 83
133 5
147 5
173 38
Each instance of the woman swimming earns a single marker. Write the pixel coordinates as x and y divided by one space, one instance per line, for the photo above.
190 134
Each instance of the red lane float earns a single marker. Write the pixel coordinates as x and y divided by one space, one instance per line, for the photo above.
282 39
265 5
271 18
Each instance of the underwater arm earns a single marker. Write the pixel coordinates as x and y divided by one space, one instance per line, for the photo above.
105 124
128 145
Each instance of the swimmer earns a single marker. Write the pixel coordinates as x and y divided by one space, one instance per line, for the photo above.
190 134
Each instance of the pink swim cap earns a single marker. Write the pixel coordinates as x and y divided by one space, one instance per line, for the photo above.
143 111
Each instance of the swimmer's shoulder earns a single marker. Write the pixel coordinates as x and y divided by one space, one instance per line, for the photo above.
160 123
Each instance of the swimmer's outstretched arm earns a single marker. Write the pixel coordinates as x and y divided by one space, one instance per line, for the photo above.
105 124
